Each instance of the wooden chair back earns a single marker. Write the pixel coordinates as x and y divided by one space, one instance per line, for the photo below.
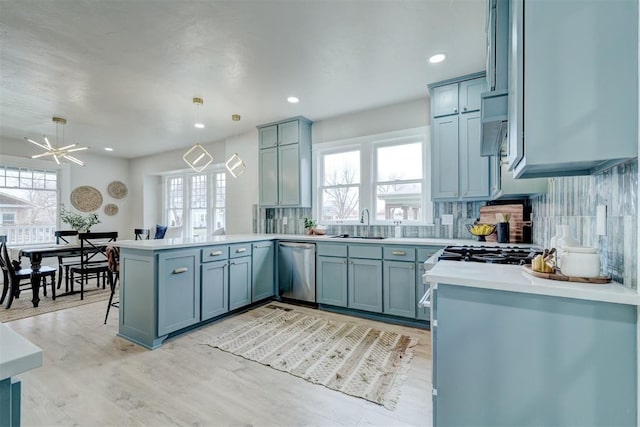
64 236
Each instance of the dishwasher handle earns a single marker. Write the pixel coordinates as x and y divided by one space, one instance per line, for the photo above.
298 245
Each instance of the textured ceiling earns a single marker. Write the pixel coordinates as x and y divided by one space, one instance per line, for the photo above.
123 73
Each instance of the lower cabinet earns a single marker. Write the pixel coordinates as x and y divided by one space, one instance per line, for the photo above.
263 271
331 281
365 284
399 288
178 290
239 282
215 297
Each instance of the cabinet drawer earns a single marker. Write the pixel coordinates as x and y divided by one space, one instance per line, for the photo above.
214 253
239 250
400 253
425 253
365 251
331 250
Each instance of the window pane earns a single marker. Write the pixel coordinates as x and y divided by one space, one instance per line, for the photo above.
399 202
399 162
174 217
199 192
342 168
198 223
340 203
174 192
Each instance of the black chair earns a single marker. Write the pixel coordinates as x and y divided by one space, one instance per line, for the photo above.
13 275
65 262
93 259
113 263
142 233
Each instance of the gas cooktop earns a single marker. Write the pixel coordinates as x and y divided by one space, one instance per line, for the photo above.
490 254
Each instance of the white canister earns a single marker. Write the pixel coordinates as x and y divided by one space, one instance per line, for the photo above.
580 261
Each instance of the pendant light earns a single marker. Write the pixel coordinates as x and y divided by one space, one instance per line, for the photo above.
197 157
58 152
235 165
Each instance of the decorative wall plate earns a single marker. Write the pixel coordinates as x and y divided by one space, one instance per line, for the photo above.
117 190
111 209
86 198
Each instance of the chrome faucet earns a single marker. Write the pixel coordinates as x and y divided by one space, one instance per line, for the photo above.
365 210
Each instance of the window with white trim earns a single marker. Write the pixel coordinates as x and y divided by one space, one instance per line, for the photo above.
195 202
385 173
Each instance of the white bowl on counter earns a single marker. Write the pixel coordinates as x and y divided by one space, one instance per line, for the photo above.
580 261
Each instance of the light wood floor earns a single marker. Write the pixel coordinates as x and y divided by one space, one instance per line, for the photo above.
91 377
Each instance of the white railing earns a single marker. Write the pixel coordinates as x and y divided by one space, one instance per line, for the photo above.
28 234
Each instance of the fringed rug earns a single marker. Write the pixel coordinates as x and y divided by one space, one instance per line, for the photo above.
351 358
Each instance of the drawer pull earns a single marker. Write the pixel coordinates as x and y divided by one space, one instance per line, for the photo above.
215 253
180 270
399 253
241 250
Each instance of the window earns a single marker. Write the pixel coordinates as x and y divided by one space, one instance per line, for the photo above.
195 202
28 200
384 173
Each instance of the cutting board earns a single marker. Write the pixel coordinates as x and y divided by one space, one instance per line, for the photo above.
516 222
562 277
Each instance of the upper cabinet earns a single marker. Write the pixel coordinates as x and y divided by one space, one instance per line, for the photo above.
573 86
285 163
458 172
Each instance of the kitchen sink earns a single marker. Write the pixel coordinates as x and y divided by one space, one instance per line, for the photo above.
348 236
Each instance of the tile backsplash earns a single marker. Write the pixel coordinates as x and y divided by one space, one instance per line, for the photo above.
573 201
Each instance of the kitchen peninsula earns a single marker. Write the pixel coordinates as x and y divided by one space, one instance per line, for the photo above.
513 349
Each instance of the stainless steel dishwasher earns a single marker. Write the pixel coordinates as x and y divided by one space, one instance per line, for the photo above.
297 271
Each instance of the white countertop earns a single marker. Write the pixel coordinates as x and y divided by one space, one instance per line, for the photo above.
161 244
17 354
513 278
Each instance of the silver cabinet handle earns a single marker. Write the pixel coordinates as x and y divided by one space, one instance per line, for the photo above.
239 251
455 110
399 253
216 253
464 108
410 266
344 261
180 270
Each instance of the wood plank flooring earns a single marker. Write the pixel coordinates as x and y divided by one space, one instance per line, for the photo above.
91 377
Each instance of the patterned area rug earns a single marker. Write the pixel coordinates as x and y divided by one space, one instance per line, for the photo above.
22 307
351 358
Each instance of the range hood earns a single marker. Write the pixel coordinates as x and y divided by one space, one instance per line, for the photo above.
494 117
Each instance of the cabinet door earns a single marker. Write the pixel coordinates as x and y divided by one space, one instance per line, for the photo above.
470 91
332 281
515 134
399 288
268 136
289 175
474 168
365 284
263 271
444 100
269 177
239 282
288 133
178 290
215 300
444 163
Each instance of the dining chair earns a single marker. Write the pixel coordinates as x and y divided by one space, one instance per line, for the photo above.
160 231
113 263
93 259
65 262
13 275
142 233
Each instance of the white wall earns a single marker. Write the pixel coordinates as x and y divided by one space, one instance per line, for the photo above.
242 192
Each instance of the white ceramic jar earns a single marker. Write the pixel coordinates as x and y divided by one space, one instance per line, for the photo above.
580 261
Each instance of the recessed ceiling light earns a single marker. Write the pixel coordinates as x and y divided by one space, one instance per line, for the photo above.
293 100
438 57
108 149
199 125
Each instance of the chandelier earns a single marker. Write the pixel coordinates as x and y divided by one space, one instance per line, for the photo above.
197 157
58 152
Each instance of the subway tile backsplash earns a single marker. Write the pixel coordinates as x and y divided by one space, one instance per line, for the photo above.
570 200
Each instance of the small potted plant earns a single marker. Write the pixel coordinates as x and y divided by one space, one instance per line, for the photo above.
80 223
309 225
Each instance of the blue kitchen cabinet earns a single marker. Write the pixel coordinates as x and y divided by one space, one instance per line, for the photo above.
573 86
332 280
263 259
444 100
365 284
399 288
215 297
285 163
239 275
459 172
511 358
178 290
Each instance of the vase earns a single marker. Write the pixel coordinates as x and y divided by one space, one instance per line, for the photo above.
502 231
